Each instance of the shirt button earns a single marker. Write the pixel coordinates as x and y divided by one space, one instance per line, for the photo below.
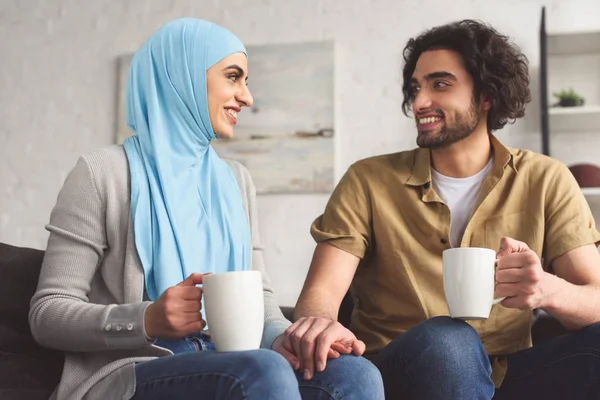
443 241
108 327
119 327
129 327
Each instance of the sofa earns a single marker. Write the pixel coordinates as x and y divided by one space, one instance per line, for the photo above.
29 371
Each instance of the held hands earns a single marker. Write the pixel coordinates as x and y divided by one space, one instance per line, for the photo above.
520 276
176 313
310 341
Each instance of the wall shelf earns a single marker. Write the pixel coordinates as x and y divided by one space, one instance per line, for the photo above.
570 43
582 110
561 53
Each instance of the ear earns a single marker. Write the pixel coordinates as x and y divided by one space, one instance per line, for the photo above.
486 103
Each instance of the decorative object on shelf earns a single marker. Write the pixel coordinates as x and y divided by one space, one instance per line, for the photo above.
568 98
586 175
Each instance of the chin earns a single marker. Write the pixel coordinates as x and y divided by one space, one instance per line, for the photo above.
224 135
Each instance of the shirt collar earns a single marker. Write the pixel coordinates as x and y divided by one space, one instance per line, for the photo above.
421 170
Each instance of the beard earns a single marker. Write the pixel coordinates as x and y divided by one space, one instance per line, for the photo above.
447 134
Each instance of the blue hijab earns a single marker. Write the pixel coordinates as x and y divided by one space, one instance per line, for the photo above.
186 204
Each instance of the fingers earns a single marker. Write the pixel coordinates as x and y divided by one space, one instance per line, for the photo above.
358 347
192 280
190 293
193 326
193 306
510 275
509 246
332 354
504 290
308 346
315 340
342 347
323 344
294 335
291 358
522 259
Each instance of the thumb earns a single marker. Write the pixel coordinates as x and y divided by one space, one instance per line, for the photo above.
192 280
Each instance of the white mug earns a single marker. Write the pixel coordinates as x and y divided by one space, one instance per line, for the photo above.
469 282
234 307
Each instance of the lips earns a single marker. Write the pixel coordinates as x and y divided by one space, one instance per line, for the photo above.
232 115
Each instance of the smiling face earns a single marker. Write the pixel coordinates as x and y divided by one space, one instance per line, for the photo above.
443 101
227 93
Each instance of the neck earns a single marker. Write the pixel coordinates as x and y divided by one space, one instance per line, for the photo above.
464 158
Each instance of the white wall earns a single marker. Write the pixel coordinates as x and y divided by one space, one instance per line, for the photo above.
58 89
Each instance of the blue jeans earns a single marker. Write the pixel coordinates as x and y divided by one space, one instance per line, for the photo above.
443 358
257 374
348 377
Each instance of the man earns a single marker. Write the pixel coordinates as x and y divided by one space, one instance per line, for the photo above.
391 217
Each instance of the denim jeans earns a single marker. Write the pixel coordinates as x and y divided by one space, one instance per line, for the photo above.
198 342
257 374
348 377
443 358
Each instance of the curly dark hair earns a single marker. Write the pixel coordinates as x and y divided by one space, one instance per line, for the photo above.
498 67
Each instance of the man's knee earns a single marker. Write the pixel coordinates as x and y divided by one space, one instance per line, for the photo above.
591 334
442 338
447 335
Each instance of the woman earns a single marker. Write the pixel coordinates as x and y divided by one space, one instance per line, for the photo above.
135 226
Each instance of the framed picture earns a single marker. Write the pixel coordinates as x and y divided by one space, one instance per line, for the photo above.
286 138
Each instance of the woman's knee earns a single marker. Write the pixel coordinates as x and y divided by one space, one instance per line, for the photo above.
268 365
347 377
267 362
363 378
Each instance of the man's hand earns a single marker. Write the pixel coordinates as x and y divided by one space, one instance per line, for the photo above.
176 313
520 276
278 346
313 340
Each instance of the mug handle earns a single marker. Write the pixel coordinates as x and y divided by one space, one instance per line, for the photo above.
499 299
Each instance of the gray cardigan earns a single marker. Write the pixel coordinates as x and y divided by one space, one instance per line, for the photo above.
89 297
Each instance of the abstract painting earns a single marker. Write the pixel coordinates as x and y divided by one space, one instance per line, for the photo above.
286 138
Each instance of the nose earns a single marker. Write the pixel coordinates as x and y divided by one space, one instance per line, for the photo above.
244 96
422 102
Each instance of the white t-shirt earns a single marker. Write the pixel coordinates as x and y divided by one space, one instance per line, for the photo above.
460 195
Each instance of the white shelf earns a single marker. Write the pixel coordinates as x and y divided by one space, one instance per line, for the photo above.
568 43
580 110
591 192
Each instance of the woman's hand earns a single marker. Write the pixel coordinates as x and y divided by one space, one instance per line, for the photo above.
176 314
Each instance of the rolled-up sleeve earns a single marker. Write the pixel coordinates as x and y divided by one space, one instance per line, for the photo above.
346 222
569 222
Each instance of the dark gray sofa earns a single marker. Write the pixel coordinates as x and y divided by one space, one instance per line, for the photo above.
29 371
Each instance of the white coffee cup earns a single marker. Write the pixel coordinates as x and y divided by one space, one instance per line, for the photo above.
469 282
234 307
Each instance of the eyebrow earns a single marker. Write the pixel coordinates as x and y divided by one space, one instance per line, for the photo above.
237 68
436 75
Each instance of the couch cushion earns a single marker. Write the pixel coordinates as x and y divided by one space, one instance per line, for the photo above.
27 370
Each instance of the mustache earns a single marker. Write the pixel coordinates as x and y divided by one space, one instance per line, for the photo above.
438 113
